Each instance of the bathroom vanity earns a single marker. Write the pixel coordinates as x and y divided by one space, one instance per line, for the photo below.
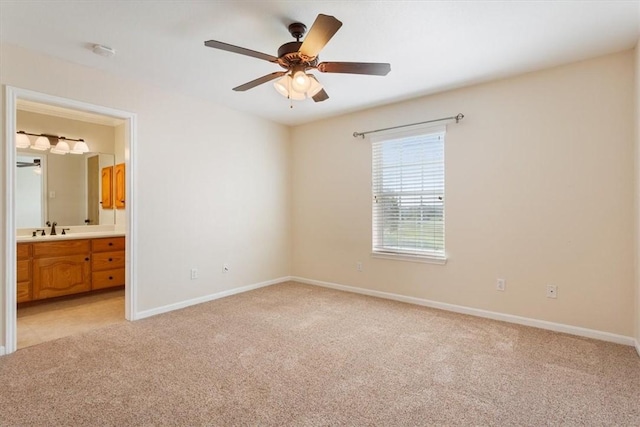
54 266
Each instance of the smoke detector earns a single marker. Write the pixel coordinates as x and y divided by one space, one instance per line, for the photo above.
105 51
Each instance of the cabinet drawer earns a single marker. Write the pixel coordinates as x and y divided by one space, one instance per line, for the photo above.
24 292
61 248
107 260
108 244
24 250
107 278
24 270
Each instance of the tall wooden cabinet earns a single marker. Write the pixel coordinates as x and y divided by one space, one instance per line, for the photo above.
119 183
113 187
106 198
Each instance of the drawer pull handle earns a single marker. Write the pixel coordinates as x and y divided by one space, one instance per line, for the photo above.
110 259
110 243
110 277
86 259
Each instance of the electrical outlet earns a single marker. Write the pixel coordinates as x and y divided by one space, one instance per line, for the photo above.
552 291
194 273
225 268
500 284
359 266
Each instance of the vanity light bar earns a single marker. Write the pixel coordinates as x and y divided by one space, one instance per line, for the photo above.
43 143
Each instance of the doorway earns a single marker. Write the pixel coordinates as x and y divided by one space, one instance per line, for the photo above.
13 97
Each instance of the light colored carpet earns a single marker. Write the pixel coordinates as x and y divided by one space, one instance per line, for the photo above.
292 354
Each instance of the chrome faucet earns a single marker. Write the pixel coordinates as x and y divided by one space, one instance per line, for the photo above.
53 228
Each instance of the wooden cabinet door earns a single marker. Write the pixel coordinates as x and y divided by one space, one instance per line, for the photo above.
119 180
23 292
63 275
106 198
24 280
24 250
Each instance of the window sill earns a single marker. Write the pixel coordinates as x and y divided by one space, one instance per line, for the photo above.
410 258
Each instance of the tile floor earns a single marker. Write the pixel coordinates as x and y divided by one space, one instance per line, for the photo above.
52 320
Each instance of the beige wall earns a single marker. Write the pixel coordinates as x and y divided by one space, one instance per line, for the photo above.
539 190
212 184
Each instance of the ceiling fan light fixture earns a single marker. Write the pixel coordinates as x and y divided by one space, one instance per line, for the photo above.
283 85
42 144
314 87
301 81
296 96
22 140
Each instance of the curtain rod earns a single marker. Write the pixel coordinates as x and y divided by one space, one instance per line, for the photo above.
457 118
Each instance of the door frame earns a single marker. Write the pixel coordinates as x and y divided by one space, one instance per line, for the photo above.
12 94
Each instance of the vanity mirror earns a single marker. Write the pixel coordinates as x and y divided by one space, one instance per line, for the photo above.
62 188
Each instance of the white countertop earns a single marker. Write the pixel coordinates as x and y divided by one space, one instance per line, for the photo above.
69 236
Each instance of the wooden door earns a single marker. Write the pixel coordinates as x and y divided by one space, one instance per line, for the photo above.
107 188
119 185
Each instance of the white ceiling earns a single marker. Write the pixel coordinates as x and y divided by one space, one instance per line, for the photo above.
432 45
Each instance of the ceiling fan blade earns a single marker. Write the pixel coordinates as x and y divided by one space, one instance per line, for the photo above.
370 68
323 28
241 50
320 96
259 81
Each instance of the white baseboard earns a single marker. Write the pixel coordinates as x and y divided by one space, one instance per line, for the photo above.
206 298
542 324
2 350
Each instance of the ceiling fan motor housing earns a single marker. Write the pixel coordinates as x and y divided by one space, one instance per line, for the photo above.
289 56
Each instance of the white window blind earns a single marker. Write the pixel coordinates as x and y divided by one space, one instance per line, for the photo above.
408 193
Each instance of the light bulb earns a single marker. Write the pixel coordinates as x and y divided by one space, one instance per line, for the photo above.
283 85
80 147
62 147
22 140
315 86
301 81
296 96
42 143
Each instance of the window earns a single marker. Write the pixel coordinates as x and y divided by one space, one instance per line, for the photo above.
408 194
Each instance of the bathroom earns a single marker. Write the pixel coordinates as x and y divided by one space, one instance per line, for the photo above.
70 221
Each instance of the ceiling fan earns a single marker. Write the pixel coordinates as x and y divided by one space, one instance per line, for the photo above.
300 56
